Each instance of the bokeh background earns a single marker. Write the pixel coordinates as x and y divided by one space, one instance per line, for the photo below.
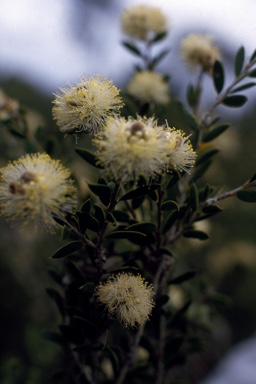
46 44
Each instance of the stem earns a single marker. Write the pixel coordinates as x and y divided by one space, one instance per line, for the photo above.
99 252
224 94
130 356
233 192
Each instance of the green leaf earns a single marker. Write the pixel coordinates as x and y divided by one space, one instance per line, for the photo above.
123 217
88 156
86 206
193 197
140 191
184 277
253 56
111 218
142 227
68 249
206 155
192 95
235 101
160 36
175 177
86 220
243 87
215 132
157 59
218 76
170 205
125 235
131 47
102 191
200 170
212 209
247 196
195 234
239 61
170 221
99 215
252 73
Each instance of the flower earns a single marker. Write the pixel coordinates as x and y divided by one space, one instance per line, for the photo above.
34 188
128 297
143 22
9 108
198 50
180 154
149 87
84 107
127 149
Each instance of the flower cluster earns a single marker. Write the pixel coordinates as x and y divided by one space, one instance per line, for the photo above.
142 22
128 297
84 107
129 148
198 50
34 188
149 87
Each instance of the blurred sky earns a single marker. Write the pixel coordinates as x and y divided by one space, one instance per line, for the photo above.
38 43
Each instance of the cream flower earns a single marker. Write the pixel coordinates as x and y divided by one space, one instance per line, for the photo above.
34 188
9 108
143 22
127 297
149 87
130 148
180 154
84 107
198 50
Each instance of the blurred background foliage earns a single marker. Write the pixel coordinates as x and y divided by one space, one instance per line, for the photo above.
227 260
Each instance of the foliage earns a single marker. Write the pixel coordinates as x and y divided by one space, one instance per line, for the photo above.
130 229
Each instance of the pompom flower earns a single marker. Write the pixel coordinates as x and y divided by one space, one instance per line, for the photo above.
127 149
149 87
34 188
9 108
180 154
84 107
199 50
127 297
142 22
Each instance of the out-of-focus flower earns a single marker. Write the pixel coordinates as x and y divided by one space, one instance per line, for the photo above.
131 148
84 107
127 297
34 188
149 87
180 154
143 22
9 107
199 50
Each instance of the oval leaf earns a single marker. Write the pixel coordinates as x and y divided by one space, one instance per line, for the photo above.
218 76
248 196
125 235
184 277
243 87
235 101
142 227
88 156
170 221
200 235
67 249
239 61
132 48
102 191
215 132
252 73
206 155
170 205
140 191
